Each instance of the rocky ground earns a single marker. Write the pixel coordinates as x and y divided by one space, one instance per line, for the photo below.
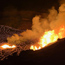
6 31
53 54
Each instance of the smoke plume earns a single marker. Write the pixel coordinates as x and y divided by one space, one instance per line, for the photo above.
39 25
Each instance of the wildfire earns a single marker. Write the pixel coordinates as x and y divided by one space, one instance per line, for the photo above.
49 37
5 46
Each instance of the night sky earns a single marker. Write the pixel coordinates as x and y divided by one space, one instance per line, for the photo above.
24 11
29 4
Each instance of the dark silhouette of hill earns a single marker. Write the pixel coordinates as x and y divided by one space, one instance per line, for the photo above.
6 31
52 54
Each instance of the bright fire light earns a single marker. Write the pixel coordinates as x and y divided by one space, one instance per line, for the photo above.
5 46
49 37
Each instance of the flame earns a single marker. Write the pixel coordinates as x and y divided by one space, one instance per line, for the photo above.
5 46
49 37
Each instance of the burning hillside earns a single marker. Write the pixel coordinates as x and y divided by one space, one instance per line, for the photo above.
49 37
45 31
52 54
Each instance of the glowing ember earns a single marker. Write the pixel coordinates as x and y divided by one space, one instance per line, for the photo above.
35 48
49 37
7 46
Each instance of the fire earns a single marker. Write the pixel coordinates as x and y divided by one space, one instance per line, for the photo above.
5 46
49 37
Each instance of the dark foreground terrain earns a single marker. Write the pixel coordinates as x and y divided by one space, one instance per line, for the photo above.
53 54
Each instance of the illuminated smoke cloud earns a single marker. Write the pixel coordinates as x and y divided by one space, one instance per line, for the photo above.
39 25
59 19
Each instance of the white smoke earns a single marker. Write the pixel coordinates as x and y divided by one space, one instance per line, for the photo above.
59 19
39 25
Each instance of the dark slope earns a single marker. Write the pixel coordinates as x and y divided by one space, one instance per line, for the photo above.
54 54
6 31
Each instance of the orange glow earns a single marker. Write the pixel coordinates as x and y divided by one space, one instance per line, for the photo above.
5 46
49 37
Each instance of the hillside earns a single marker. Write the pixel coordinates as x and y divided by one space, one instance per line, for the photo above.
6 31
52 54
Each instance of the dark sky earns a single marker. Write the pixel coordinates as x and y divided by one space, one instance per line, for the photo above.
30 8
29 4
